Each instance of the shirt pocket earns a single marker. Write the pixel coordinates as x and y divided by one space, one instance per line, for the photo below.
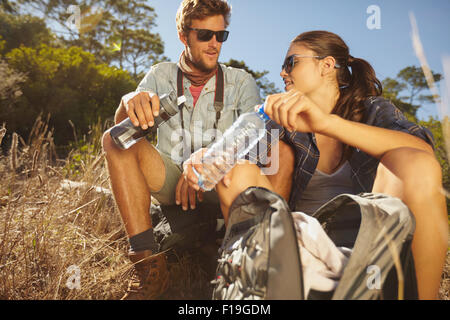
227 117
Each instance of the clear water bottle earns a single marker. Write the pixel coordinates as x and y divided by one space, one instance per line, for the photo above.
125 134
234 145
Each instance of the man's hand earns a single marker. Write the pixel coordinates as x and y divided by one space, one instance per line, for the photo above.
141 108
195 161
187 187
186 195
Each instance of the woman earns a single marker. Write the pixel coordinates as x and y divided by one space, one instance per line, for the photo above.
348 139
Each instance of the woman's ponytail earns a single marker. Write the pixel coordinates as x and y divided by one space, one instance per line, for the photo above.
356 78
362 84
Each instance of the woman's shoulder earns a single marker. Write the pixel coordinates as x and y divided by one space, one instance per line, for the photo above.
380 109
381 112
377 102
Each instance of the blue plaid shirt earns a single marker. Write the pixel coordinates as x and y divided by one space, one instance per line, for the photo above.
380 113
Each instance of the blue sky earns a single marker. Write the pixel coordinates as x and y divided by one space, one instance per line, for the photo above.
260 32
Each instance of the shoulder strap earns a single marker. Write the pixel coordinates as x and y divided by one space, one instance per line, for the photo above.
180 88
180 93
218 96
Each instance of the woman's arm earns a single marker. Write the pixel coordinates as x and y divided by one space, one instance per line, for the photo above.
297 112
374 141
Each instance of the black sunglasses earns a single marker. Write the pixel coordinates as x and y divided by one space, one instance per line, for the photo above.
289 62
206 35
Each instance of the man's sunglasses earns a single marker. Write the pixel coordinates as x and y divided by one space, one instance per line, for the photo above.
289 62
206 35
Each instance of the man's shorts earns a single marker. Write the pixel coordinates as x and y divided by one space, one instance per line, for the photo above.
166 196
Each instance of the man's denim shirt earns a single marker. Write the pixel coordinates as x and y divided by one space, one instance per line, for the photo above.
241 94
380 113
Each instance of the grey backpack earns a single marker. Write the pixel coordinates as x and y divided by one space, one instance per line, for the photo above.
259 257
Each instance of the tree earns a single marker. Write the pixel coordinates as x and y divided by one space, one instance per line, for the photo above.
23 30
391 91
67 83
411 81
6 6
414 81
10 84
115 31
265 85
139 48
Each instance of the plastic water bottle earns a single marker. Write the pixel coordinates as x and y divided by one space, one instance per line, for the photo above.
234 145
125 134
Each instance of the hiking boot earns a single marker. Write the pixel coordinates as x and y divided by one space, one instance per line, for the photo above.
150 276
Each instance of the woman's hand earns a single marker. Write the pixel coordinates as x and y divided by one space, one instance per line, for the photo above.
296 112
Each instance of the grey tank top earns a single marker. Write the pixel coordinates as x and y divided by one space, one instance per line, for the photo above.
323 187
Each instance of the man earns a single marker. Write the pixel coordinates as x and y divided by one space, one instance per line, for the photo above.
215 96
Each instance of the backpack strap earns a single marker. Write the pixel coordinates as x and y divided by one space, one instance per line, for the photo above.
180 93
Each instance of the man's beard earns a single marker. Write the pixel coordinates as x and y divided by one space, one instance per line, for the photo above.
203 67
200 64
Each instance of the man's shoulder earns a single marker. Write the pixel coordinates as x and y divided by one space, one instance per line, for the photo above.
235 75
166 66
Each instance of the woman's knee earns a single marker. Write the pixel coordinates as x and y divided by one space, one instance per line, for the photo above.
424 174
242 176
418 171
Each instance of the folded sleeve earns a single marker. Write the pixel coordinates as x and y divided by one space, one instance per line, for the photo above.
384 114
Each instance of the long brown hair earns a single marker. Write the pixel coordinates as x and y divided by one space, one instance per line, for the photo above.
355 86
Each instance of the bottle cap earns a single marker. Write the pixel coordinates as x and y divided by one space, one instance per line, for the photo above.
261 112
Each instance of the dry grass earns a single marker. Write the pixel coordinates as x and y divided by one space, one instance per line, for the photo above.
444 290
47 226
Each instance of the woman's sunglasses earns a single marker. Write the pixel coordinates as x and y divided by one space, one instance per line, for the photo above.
206 35
289 62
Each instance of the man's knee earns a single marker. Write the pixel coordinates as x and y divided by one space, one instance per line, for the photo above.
108 144
141 150
111 150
